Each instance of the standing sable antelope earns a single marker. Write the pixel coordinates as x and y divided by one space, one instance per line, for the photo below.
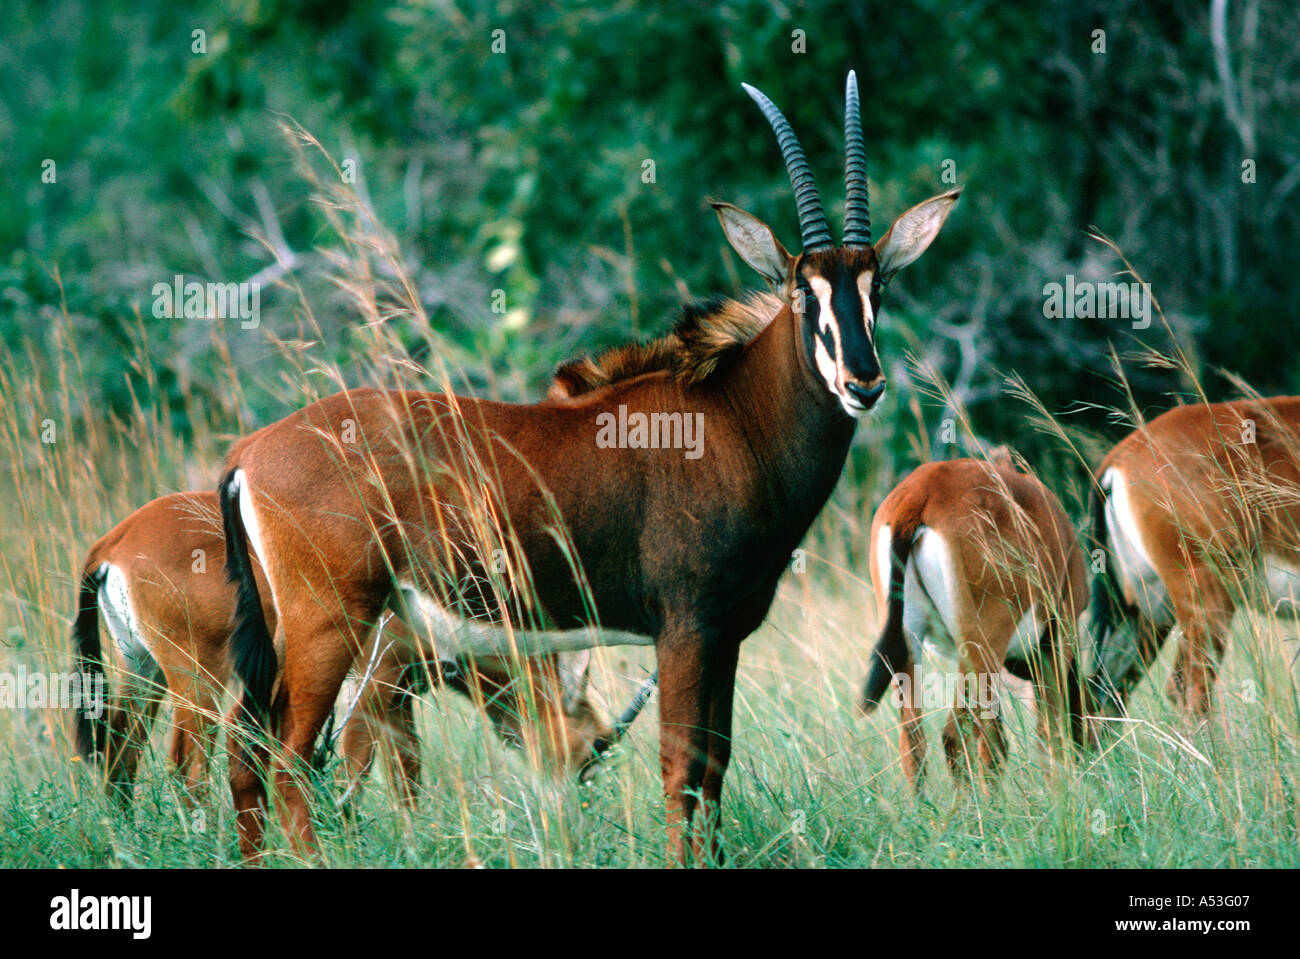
1196 512
979 560
492 526
169 618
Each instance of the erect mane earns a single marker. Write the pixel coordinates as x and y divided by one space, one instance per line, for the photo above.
706 334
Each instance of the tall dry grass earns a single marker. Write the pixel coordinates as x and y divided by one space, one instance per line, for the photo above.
811 783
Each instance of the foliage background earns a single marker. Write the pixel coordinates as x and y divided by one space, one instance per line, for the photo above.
522 170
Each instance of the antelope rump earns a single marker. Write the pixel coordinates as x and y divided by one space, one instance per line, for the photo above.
156 579
980 561
1195 513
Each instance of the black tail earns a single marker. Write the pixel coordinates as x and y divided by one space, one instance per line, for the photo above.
1105 607
90 735
891 654
251 647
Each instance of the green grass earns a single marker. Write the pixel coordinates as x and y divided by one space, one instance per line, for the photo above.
812 783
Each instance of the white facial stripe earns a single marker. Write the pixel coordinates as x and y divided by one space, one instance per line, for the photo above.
826 366
826 317
868 317
830 370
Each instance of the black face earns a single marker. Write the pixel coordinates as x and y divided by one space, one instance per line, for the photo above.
840 294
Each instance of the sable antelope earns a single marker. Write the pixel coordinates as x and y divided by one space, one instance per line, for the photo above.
169 618
1189 510
980 561
492 527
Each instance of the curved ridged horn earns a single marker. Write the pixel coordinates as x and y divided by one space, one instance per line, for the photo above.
816 232
857 215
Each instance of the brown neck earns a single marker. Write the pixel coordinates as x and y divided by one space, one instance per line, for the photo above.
798 432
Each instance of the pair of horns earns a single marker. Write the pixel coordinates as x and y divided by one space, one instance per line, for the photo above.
816 232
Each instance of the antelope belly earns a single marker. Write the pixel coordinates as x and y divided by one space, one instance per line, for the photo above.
451 636
1282 579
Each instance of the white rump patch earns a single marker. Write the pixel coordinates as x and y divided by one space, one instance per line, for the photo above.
883 558
1137 574
451 636
122 623
252 529
929 592
932 599
1024 641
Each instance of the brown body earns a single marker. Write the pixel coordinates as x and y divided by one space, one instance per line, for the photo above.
170 555
486 523
1191 509
981 559
687 552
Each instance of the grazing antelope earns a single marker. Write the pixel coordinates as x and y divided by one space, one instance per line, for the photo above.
1196 512
980 561
492 527
169 618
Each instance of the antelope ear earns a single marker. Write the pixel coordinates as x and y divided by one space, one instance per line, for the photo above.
913 232
755 242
